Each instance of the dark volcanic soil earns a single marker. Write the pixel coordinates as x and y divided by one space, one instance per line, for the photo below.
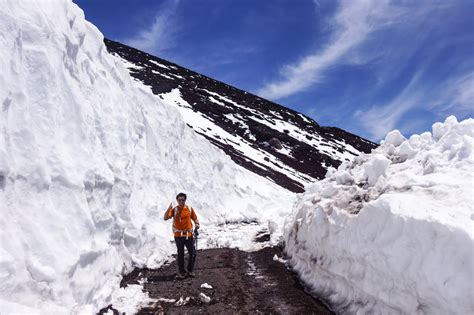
242 282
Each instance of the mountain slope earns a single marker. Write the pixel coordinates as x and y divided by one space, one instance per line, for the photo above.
266 138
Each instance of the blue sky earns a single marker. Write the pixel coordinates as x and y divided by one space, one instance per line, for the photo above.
365 66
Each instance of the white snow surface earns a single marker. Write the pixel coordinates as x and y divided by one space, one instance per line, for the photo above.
392 231
89 160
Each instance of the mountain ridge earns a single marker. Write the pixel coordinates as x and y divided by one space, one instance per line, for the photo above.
269 139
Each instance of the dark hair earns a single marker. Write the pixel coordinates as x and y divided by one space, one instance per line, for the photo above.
181 195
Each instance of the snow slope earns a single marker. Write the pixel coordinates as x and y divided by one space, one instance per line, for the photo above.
264 137
89 160
392 232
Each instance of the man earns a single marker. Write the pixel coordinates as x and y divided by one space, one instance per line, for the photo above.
183 232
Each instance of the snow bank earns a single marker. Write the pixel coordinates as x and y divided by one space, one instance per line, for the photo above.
392 231
89 160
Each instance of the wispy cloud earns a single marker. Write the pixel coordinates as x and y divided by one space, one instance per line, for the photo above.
161 34
414 62
379 119
353 23
223 52
459 95
454 97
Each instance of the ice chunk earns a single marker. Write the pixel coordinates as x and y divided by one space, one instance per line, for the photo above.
440 129
406 151
329 191
183 301
395 138
376 167
279 259
206 286
204 298
162 299
343 177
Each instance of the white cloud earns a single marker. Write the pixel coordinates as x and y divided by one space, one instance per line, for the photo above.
463 92
380 119
161 34
353 23
454 97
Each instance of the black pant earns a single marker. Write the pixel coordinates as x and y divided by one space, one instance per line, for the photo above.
180 243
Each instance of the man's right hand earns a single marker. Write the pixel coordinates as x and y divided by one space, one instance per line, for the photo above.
166 217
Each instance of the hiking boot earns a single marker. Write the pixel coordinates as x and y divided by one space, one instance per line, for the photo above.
191 274
180 276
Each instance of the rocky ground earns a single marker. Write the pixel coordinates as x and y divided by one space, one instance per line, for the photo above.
242 282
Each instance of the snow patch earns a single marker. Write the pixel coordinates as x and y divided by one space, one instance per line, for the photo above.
130 299
159 64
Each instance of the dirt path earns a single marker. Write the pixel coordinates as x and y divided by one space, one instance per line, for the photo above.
242 282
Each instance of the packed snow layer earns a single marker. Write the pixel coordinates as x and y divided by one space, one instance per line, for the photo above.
392 231
89 160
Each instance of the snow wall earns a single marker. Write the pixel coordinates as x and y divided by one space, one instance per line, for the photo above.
392 231
89 160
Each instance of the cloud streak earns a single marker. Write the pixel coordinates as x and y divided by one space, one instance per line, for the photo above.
414 63
161 34
456 96
353 23
378 120
460 95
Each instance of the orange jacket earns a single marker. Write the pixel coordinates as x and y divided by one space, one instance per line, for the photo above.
182 225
